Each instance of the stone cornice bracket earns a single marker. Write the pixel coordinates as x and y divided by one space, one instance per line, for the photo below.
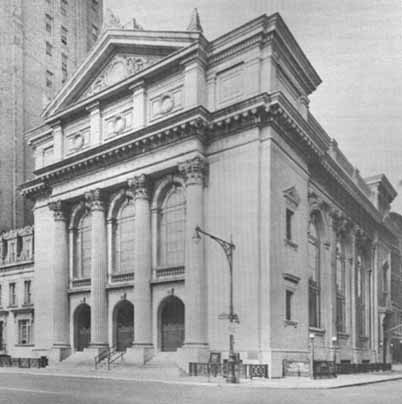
316 203
194 170
340 223
362 239
94 200
58 208
140 186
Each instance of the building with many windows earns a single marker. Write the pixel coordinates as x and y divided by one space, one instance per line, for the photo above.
42 43
159 132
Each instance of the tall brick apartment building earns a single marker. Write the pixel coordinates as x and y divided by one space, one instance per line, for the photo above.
41 44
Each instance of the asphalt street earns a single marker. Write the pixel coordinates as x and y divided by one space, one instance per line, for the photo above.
38 389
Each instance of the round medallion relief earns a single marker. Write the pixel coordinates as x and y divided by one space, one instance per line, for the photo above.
78 141
119 124
167 104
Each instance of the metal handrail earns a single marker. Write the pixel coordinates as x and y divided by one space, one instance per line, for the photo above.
102 355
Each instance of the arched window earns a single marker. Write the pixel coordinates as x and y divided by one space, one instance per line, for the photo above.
124 239
314 273
82 248
340 289
171 228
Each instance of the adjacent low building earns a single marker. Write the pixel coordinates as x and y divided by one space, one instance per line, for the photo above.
159 132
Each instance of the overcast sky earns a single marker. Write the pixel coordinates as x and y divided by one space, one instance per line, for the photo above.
356 47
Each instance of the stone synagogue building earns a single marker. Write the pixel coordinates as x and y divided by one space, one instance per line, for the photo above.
159 132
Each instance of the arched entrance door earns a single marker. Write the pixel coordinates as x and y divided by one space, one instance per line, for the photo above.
171 320
123 319
82 327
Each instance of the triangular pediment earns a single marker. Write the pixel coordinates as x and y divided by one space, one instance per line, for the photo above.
118 56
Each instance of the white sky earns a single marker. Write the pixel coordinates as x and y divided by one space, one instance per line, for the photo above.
356 47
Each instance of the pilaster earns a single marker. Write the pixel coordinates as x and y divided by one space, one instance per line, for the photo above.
139 105
58 141
95 123
195 88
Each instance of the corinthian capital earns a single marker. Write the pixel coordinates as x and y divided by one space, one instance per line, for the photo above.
94 200
193 170
140 186
58 210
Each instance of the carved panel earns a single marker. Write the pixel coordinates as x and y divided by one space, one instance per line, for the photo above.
166 102
230 85
117 118
119 68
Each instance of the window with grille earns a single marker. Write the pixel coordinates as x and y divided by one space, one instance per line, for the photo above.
314 272
49 49
171 229
288 304
48 23
83 248
64 73
63 35
12 296
124 239
63 7
24 332
49 79
340 289
27 292
94 32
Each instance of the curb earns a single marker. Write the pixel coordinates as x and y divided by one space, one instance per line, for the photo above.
197 383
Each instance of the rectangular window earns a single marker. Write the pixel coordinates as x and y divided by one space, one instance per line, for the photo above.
289 218
94 32
12 296
24 332
63 7
63 35
48 23
64 68
27 292
49 79
49 49
289 300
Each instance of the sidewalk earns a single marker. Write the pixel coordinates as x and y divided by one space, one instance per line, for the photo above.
138 374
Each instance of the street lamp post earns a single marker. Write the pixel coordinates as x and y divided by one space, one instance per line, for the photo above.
228 248
312 336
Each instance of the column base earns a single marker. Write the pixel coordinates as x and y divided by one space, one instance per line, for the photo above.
192 352
59 352
138 354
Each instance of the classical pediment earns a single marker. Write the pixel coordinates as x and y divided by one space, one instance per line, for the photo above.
119 55
120 67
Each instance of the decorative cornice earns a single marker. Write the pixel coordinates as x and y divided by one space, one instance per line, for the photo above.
58 209
94 200
141 186
193 170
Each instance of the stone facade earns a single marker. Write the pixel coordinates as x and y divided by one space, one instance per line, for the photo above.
218 135
42 43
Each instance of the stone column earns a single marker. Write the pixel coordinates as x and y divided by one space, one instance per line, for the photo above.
142 349
99 334
195 345
61 342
